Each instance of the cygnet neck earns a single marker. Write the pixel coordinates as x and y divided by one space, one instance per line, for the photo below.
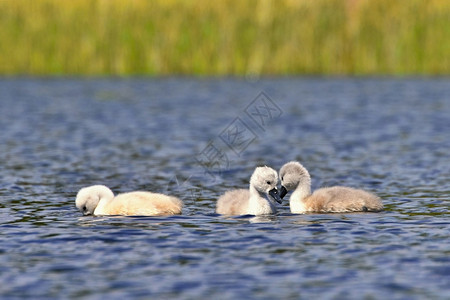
102 204
303 190
258 202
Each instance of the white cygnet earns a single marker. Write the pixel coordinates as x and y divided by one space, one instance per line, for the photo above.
336 199
257 200
99 200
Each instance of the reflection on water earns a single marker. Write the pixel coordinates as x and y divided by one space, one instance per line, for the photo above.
389 136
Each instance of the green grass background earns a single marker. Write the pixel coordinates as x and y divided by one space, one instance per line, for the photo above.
229 37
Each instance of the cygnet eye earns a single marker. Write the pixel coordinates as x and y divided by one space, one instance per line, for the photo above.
84 208
268 182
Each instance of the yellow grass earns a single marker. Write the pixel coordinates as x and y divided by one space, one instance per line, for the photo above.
277 37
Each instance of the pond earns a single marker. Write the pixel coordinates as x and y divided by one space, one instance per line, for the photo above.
196 138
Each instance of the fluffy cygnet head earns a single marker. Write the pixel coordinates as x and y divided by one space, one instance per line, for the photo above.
291 175
265 180
89 197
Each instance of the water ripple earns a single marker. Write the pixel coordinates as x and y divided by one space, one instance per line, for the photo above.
390 136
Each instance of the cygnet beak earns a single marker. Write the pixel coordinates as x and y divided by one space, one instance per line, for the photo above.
283 192
85 211
275 195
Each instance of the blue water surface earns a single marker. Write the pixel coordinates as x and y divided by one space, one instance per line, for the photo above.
197 138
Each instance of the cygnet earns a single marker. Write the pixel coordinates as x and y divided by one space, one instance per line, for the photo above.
257 200
100 200
336 199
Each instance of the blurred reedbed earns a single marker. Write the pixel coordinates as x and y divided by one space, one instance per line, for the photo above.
139 37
